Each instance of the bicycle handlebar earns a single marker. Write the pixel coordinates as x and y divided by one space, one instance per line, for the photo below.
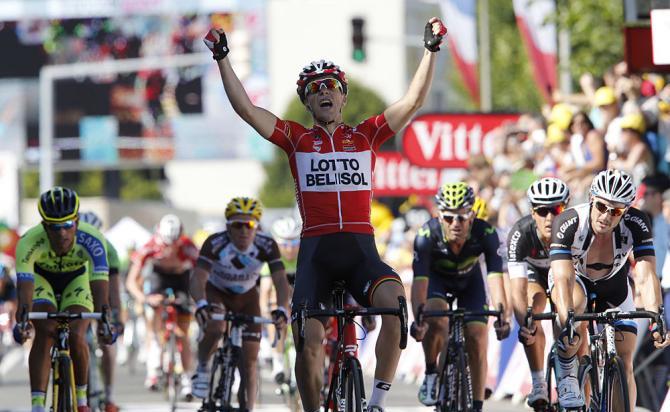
66 315
458 313
349 313
238 318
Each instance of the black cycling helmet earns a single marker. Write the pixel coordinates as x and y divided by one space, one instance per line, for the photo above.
58 205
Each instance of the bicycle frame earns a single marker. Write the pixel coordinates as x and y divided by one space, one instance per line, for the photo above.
347 345
450 392
226 358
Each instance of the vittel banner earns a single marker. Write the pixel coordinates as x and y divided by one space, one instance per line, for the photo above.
448 140
330 172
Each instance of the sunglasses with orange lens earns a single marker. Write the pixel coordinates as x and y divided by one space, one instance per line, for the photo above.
316 85
613 211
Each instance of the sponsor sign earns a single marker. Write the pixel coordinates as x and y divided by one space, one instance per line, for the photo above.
448 140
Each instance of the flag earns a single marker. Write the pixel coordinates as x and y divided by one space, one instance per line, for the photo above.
539 36
460 17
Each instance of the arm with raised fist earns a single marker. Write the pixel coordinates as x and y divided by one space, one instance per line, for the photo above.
398 114
258 118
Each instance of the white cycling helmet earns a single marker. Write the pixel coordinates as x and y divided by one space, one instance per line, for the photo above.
548 191
169 228
91 218
285 229
615 186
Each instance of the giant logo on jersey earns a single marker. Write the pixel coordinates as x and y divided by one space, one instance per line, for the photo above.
333 172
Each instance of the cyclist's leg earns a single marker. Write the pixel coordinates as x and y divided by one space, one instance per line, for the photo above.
537 299
312 287
108 366
626 343
210 337
77 298
248 304
473 298
376 284
45 331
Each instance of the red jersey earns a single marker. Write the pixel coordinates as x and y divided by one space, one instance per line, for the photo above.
177 257
333 173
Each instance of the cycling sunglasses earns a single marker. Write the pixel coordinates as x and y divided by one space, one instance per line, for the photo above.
449 217
239 224
329 83
55 227
290 243
543 211
613 211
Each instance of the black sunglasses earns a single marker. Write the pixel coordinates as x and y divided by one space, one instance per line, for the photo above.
543 211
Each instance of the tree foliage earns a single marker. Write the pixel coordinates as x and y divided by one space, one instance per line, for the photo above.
278 189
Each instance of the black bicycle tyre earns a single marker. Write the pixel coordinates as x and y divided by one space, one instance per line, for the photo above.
595 395
210 400
238 363
550 374
464 394
226 378
65 391
615 379
353 386
172 381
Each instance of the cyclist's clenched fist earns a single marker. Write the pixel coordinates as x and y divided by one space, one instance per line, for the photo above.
216 42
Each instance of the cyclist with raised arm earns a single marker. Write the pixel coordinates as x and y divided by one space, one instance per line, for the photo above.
332 166
446 260
226 276
528 267
172 255
589 252
109 351
61 265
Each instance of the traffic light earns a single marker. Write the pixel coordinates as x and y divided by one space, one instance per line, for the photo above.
358 39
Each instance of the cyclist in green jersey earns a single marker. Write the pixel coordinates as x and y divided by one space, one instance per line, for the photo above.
61 265
109 351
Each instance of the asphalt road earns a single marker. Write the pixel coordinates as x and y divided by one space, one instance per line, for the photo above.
131 395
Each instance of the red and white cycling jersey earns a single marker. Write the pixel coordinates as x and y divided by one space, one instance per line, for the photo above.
333 173
174 258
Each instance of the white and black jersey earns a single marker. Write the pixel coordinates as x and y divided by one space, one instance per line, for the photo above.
237 271
527 256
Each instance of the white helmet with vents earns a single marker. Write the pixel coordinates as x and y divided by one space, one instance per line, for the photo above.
285 229
169 228
615 186
548 191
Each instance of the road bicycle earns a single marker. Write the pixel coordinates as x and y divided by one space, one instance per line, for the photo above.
171 366
601 372
64 396
229 359
347 390
455 382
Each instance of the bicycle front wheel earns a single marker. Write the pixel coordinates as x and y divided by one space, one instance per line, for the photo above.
66 398
171 378
464 383
615 393
353 386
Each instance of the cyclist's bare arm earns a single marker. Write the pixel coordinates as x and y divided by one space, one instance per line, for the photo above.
399 113
280 282
25 289
197 283
519 298
647 282
260 119
418 294
496 285
134 280
114 293
564 281
100 291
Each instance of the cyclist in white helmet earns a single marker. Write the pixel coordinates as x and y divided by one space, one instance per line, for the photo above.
528 266
109 351
589 253
172 255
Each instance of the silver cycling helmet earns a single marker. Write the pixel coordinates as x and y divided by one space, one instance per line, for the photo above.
285 229
91 218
